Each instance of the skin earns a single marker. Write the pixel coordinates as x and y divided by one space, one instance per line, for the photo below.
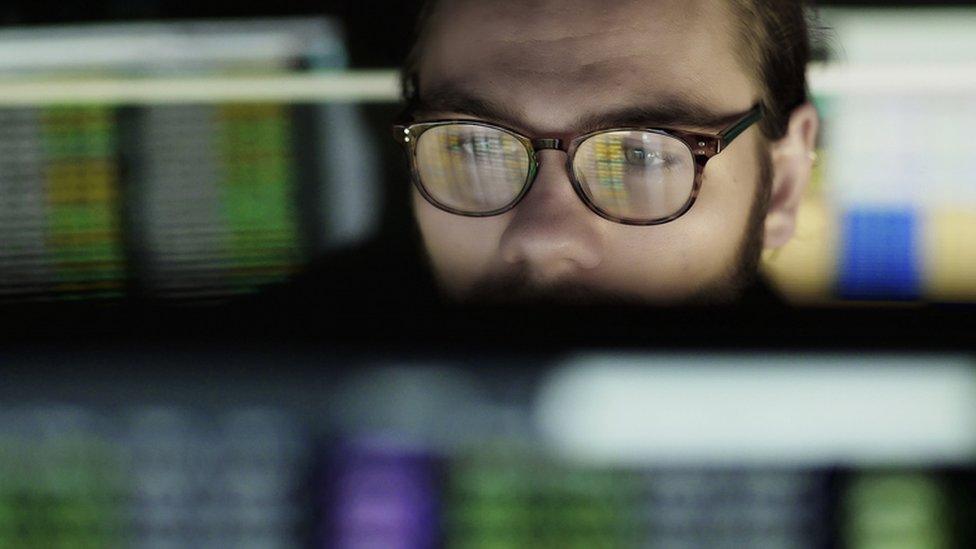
546 66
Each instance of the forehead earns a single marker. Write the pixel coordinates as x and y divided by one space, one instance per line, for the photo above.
554 60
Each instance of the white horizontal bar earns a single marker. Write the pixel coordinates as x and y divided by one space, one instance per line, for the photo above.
383 86
845 410
891 80
144 46
367 86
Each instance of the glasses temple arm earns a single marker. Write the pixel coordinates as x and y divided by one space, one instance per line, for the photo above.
742 125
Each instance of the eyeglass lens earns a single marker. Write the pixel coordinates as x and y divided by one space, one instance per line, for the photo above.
470 168
635 175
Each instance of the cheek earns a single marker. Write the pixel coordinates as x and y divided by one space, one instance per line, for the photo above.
695 251
730 184
460 248
723 207
660 261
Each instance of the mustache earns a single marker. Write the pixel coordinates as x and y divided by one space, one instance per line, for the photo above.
519 287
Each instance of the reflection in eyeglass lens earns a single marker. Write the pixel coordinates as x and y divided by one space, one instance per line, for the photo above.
635 174
471 168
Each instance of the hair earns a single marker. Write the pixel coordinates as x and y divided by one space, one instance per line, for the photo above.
774 36
775 40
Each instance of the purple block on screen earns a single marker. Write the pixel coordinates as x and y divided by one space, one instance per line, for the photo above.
379 493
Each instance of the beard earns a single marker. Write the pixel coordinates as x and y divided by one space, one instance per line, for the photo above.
518 287
744 271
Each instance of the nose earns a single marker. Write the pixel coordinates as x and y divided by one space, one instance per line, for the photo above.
553 235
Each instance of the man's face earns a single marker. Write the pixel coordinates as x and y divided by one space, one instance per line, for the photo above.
541 67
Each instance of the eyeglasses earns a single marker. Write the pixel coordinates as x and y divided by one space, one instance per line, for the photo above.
634 176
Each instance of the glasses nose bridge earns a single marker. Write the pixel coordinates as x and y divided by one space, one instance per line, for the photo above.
545 144
548 144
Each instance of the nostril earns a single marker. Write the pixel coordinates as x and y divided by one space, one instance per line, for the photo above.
588 260
552 246
548 268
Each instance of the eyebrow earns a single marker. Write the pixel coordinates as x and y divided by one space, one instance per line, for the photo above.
449 99
674 113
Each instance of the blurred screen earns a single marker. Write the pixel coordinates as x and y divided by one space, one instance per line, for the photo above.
594 449
890 212
171 196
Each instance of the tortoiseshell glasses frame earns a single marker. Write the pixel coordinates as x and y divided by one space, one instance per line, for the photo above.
702 146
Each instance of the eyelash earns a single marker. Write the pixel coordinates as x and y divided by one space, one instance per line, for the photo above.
665 159
472 145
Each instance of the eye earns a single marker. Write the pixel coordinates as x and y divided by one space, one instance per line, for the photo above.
638 156
465 145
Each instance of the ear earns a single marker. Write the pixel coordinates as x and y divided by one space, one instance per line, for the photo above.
792 159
